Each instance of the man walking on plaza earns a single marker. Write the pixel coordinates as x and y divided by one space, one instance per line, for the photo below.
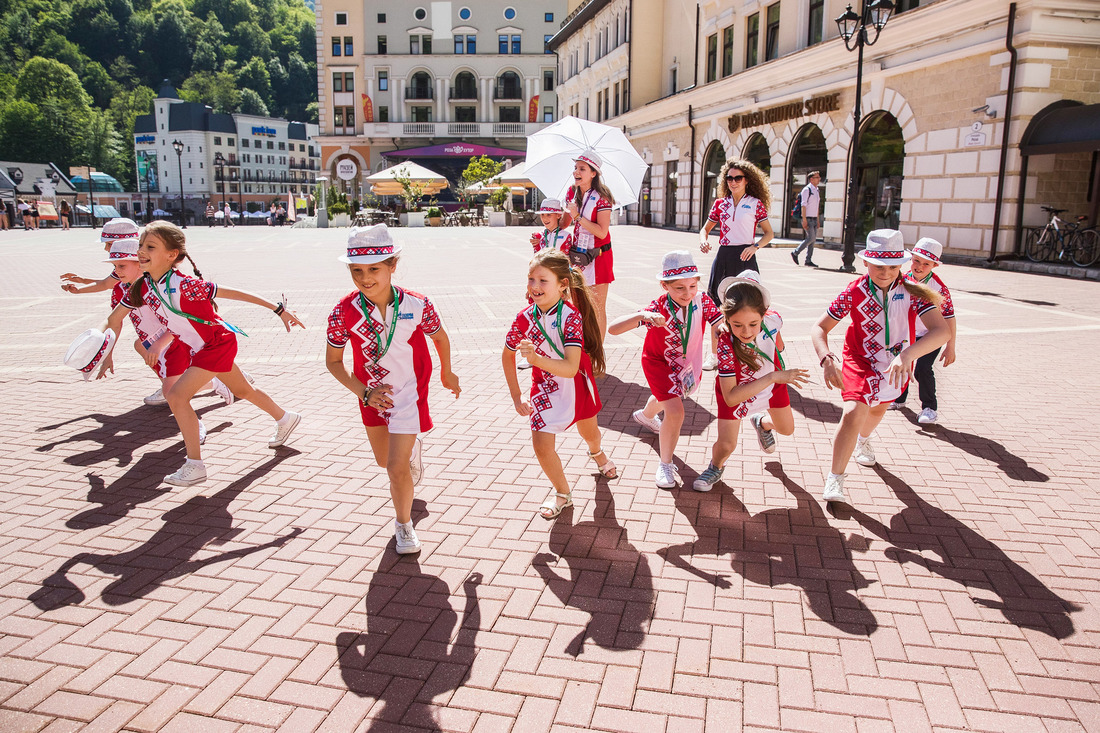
227 221
811 208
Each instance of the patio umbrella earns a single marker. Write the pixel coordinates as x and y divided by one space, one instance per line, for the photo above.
550 154
384 182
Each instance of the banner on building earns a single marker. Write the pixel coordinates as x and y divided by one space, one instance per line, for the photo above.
368 109
533 109
148 176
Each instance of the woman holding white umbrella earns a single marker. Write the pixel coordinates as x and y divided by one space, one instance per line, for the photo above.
589 207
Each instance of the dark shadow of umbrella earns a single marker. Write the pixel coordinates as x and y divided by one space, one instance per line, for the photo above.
620 399
778 547
119 436
187 529
966 558
410 652
608 577
142 482
1012 465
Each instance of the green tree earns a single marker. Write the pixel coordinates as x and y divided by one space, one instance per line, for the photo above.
219 90
47 79
300 89
252 104
254 76
21 138
98 83
251 41
173 47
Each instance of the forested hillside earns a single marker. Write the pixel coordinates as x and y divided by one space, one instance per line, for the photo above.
74 74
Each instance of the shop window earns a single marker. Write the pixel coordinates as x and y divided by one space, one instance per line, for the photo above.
757 152
879 166
752 40
771 34
815 22
727 51
712 57
808 153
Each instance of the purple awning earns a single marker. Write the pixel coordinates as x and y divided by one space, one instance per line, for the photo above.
454 150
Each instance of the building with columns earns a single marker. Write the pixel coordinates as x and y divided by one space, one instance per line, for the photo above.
774 84
266 159
437 82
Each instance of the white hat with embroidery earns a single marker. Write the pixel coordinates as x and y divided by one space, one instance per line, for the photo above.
591 158
123 250
677 266
750 277
368 245
551 206
88 351
928 248
119 229
885 247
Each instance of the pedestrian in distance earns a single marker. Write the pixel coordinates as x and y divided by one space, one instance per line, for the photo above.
588 204
672 356
927 255
66 215
185 306
559 334
5 225
227 220
209 214
880 347
752 375
809 206
388 327
741 207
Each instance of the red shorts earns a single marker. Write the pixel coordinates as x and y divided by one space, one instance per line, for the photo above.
174 360
605 268
863 384
660 378
780 397
420 422
217 355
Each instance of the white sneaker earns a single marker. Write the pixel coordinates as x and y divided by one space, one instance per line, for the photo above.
834 488
416 465
202 433
224 392
928 416
896 406
652 424
407 541
865 454
522 363
666 476
708 478
284 429
156 399
710 363
766 437
189 474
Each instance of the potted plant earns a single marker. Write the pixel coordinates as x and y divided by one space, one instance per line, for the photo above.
435 216
411 192
498 217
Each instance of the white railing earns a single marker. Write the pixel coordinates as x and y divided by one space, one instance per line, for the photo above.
458 129
418 128
453 129
509 128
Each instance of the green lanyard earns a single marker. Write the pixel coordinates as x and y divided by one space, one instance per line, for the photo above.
770 335
546 237
151 285
885 309
767 358
685 333
393 324
535 316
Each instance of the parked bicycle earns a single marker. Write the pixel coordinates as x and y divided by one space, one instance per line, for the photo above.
1060 240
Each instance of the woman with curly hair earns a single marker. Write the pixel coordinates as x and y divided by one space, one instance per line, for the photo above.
742 205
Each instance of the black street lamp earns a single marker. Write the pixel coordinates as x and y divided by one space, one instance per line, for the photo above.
178 147
219 163
148 193
853 26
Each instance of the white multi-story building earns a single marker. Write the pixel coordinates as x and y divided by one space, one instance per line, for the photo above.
437 82
262 159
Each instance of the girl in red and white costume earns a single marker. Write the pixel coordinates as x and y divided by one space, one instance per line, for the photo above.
560 337
752 377
553 234
589 204
391 365
115 230
185 307
879 348
672 356
742 205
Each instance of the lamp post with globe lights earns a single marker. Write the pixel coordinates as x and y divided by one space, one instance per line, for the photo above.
178 147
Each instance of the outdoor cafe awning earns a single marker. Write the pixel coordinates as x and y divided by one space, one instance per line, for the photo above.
1063 127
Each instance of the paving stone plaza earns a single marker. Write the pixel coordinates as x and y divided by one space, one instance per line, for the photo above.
960 590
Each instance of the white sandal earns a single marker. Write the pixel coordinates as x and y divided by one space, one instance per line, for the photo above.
550 509
608 469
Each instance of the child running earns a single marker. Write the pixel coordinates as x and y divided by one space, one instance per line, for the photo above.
672 356
116 230
752 377
185 306
552 236
926 258
560 336
879 347
391 365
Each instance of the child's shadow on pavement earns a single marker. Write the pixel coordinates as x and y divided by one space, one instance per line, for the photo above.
620 399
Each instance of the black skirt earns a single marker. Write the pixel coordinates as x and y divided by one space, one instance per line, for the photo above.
728 263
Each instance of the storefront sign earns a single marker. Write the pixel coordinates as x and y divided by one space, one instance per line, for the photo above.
346 169
267 131
145 139
784 112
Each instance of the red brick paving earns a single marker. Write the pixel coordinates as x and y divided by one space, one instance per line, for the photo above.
959 593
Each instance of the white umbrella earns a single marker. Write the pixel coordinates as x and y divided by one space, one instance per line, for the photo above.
550 154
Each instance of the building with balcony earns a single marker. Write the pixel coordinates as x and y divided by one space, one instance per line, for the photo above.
437 82
242 159
772 83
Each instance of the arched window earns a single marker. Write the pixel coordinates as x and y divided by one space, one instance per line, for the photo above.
465 86
421 87
757 153
878 174
509 86
713 160
808 153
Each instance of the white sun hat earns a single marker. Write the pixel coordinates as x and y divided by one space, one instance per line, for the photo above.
752 277
123 250
677 265
551 206
118 229
591 158
89 350
928 248
885 247
368 245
